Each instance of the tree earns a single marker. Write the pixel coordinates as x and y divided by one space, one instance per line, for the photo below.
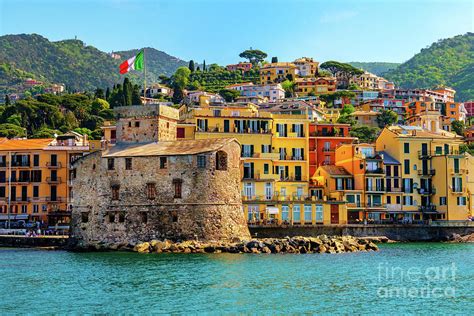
345 116
14 119
127 92
178 95
366 134
107 94
342 71
289 87
229 95
180 78
99 93
136 97
354 86
99 105
204 66
45 132
274 60
458 127
191 65
7 100
254 56
387 117
10 130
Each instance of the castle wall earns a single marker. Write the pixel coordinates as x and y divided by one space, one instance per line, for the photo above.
209 208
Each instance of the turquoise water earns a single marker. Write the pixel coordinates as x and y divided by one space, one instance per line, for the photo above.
35 281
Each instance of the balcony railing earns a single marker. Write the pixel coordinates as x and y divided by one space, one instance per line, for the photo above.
457 190
427 173
55 200
328 150
394 190
427 208
378 171
56 180
427 191
375 188
51 165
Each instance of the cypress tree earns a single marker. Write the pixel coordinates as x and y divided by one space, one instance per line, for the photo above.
274 60
191 65
107 94
127 92
7 100
204 66
136 100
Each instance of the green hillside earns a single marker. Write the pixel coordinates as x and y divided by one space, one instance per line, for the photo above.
70 62
448 62
377 68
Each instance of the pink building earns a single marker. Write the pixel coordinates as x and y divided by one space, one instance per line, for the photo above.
240 66
469 106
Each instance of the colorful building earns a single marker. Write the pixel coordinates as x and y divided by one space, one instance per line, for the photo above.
316 86
307 67
324 138
366 118
272 92
35 179
242 66
277 72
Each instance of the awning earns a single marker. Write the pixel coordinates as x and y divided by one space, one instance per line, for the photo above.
272 210
13 217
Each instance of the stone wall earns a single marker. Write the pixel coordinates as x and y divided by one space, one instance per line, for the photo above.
210 207
398 233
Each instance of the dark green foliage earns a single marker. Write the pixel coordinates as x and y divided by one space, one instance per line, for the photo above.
191 65
387 117
204 66
99 93
7 100
71 62
11 130
219 78
458 127
448 62
365 134
345 115
377 68
254 56
274 60
229 95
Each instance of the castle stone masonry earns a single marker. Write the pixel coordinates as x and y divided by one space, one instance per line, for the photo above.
151 187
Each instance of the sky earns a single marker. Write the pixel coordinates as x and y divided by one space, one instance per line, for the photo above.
217 31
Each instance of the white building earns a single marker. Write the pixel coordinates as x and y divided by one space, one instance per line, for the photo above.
273 92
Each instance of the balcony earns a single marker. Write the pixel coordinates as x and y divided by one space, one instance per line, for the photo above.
266 177
56 180
427 191
16 164
394 190
427 208
457 190
458 171
51 165
328 150
375 172
271 156
427 173
379 189
375 205
55 200
22 199
425 154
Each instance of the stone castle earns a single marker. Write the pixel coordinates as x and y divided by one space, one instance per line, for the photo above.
150 186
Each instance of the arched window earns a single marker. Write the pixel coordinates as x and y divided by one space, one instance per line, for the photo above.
221 160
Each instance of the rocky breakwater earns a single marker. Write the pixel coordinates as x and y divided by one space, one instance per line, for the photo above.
296 245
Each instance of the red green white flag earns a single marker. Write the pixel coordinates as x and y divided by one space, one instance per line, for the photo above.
135 63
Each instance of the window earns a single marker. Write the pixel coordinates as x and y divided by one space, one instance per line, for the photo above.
111 217
461 200
35 208
121 217
442 200
407 166
406 148
249 190
128 163
144 217
319 213
151 191
201 161
36 160
2 191
398 199
110 164
115 192
221 160
35 191
177 183
24 209
307 213
296 213
265 168
285 212
137 124
85 217
129 124
389 200
163 162
456 165
36 176
457 184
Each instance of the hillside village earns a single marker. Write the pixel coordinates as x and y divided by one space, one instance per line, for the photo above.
321 144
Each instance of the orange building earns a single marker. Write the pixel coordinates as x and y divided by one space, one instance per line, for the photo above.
449 111
35 179
324 138
322 85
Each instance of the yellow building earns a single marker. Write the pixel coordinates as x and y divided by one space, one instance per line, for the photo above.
307 67
434 173
275 179
277 72
35 179
366 118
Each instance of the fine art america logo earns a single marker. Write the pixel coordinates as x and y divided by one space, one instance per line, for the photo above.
416 282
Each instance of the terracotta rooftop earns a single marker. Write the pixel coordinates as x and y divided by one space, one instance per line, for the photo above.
416 131
24 144
168 148
335 170
362 113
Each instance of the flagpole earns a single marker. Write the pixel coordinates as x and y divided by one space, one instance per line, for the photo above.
144 77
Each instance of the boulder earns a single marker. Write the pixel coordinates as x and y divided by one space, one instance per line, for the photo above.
142 248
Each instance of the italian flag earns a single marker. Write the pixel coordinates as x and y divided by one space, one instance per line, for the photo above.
135 63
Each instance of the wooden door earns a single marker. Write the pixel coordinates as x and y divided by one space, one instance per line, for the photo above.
334 214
